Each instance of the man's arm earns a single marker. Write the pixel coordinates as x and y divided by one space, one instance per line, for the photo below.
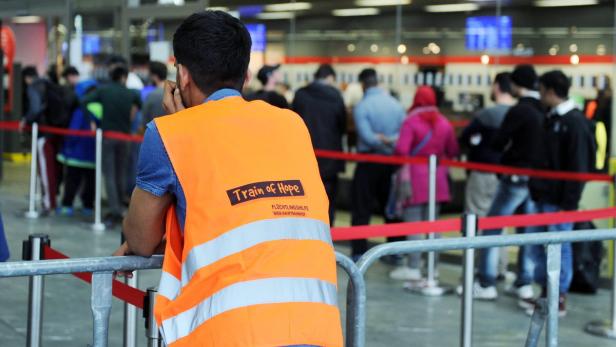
144 225
364 129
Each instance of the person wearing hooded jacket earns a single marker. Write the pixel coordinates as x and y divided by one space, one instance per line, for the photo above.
520 137
425 132
321 106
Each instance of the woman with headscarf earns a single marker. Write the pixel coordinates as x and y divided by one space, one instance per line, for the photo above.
424 132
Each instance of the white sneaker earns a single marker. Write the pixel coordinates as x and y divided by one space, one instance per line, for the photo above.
405 273
481 293
525 292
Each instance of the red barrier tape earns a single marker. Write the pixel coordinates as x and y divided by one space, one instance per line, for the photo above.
120 290
509 170
448 225
359 157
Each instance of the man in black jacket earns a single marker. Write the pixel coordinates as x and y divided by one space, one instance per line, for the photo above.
569 144
520 138
321 106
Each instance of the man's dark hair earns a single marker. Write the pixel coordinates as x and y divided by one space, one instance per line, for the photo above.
117 73
324 71
159 70
29 71
503 80
557 81
70 71
368 78
215 48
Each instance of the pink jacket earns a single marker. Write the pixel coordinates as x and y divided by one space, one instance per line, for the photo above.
443 143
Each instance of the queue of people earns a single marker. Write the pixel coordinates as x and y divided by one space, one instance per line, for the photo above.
533 124
66 163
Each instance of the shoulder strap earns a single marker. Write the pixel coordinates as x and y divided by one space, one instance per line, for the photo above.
422 144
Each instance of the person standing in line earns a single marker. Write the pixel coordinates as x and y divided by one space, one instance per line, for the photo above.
425 132
120 105
231 191
47 105
570 146
322 108
378 118
520 140
477 138
153 104
269 76
78 156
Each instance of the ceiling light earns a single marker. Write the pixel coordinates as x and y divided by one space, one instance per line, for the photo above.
575 59
404 59
351 47
464 7
289 6
565 3
485 59
276 15
352 12
374 48
573 48
382 2
401 48
426 50
27 19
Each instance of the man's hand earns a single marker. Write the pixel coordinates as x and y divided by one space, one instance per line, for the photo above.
386 141
120 252
172 100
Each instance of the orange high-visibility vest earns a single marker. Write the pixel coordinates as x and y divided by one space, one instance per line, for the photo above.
254 265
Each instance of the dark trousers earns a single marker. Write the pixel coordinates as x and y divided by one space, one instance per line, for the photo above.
79 178
371 185
331 188
115 155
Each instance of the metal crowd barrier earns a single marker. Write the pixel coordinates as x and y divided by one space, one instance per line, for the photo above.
356 314
102 270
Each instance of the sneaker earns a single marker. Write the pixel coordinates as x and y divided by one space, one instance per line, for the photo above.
65 211
522 293
481 293
87 212
405 273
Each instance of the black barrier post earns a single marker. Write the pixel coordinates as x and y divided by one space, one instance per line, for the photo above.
34 250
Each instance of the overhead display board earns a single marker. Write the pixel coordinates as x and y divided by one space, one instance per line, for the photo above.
488 33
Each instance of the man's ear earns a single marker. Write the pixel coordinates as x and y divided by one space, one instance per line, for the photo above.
185 77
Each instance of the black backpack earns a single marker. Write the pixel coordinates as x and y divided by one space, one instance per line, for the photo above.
587 258
56 104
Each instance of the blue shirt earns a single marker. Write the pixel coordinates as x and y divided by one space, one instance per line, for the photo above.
377 113
155 172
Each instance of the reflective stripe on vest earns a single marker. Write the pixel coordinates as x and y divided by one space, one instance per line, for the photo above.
243 294
250 235
169 286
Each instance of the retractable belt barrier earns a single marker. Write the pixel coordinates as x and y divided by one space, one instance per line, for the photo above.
454 224
360 157
121 290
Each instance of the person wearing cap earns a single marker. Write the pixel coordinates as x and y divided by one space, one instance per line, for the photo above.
269 76
520 140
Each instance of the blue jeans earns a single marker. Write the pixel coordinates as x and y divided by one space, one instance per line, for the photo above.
4 246
510 198
539 255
